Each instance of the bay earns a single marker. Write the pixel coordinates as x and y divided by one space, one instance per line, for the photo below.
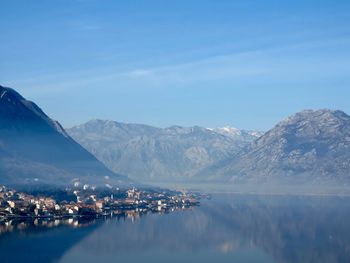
227 228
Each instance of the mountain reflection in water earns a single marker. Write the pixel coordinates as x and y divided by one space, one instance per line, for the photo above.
228 228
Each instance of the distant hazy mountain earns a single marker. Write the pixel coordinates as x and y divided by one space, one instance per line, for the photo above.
310 146
36 149
152 154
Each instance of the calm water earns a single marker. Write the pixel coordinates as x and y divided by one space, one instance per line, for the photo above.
228 228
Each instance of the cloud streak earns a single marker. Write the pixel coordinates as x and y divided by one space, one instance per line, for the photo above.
276 63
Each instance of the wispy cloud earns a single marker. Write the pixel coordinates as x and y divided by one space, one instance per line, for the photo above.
275 63
138 73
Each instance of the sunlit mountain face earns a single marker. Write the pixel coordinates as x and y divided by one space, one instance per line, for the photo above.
312 147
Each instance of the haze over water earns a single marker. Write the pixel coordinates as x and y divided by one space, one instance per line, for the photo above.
228 228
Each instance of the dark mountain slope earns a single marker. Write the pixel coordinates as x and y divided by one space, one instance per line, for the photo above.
35 148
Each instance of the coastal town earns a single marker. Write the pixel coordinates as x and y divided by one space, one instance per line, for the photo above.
89 201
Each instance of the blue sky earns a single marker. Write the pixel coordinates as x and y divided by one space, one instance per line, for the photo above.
246 64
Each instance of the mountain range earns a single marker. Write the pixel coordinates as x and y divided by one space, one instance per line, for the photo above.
151 154
312 146
35 149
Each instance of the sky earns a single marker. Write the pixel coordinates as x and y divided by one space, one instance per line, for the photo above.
211 63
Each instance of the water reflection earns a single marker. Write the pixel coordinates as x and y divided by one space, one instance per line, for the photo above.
228 228
22 225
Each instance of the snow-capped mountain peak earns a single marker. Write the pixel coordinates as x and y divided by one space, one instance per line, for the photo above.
229 131
236 133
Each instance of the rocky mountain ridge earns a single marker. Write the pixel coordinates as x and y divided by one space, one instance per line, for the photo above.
310 146
151 154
